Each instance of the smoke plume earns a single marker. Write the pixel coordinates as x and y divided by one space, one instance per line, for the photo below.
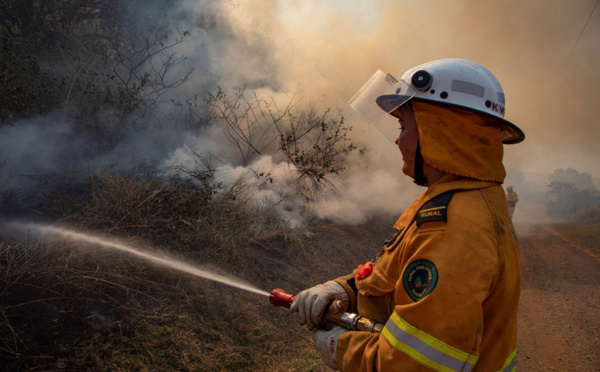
322 52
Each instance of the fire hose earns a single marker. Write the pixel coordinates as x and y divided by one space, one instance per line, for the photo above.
334 314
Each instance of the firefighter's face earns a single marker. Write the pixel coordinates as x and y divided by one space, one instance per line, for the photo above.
408 138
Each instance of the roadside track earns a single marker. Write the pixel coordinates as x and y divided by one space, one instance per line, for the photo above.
559 319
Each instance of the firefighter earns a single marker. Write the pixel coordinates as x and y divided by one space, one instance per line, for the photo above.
511 200
447 284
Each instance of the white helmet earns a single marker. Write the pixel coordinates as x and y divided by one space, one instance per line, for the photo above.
451 81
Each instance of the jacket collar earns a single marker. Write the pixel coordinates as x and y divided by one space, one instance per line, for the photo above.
446 183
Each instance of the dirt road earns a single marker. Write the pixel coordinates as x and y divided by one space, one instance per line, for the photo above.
559 322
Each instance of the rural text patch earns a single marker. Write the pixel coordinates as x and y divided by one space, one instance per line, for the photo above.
436 209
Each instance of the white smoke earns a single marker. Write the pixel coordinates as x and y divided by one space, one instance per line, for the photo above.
324 51
367 194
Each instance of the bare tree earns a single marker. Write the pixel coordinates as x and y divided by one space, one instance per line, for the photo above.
142 63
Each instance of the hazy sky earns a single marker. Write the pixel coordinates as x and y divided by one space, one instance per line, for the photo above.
331 47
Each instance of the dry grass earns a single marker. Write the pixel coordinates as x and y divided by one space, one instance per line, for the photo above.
583 230
64 306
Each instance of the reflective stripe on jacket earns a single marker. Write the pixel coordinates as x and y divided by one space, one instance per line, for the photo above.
447 291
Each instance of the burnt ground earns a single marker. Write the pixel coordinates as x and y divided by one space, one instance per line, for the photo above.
559 320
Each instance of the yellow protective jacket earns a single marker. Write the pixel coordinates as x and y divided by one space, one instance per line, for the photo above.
446 287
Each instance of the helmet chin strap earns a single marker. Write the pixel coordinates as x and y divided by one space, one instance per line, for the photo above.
419 178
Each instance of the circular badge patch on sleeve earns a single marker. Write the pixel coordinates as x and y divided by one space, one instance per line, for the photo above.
420 278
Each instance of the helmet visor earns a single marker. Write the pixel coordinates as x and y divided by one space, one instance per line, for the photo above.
380 96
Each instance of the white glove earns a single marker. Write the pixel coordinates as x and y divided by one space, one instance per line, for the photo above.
326 343
311 303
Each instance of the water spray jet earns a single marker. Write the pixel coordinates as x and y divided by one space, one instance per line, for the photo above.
335 313
147 256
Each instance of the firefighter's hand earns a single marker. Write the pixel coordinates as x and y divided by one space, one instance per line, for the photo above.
326 343
310 304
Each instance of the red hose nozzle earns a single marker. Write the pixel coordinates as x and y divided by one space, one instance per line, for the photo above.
335 313
279 298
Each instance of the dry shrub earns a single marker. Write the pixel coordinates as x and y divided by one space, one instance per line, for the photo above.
68 306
